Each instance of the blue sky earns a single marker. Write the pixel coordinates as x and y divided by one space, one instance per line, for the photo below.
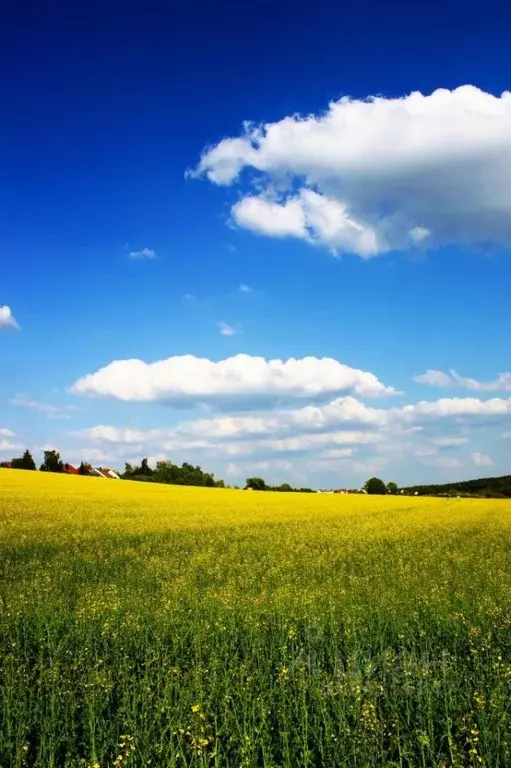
371 239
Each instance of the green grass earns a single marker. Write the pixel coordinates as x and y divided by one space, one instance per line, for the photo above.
163 626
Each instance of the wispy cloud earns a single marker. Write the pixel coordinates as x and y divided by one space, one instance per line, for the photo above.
145 253
227 330
7 320
450 442
244 288
451 378
447 462
51 410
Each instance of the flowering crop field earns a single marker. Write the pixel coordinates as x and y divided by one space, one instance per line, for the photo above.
149 625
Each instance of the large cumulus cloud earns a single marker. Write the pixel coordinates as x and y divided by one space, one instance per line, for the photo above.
369 176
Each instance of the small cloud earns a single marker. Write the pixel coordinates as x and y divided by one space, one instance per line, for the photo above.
231 248
145 253
189 297
227 330
6 433
433 378
244 288
419 234
7 320
481 460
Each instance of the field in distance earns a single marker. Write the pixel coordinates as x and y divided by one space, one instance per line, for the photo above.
169 626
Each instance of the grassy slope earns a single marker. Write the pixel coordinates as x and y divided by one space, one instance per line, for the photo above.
189 626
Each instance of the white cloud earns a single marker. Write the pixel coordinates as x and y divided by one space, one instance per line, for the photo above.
144 253
240 379
7 319
501 383
481 460
52 411
227 330
269 218
380 174
8 445
243 288
433 378
309 216
124 442
459 408
342 429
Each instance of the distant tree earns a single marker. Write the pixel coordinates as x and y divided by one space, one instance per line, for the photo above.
375 486
84 468
144 469
52 462
392 488
128 471
219 484
165 472
256 483
25 462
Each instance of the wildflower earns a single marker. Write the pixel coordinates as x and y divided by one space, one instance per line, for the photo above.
480 700
196 708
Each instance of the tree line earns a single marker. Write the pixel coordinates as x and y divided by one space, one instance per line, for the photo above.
258 484
171 474
485 487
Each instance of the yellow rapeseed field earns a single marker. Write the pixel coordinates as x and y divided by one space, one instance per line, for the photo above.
158 625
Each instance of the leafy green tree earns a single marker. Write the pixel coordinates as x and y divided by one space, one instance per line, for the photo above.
84 468
392 488
167 472
52 462
144 469
25 462
256 483
375 487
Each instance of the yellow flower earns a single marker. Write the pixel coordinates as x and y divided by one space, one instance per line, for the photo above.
195 707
